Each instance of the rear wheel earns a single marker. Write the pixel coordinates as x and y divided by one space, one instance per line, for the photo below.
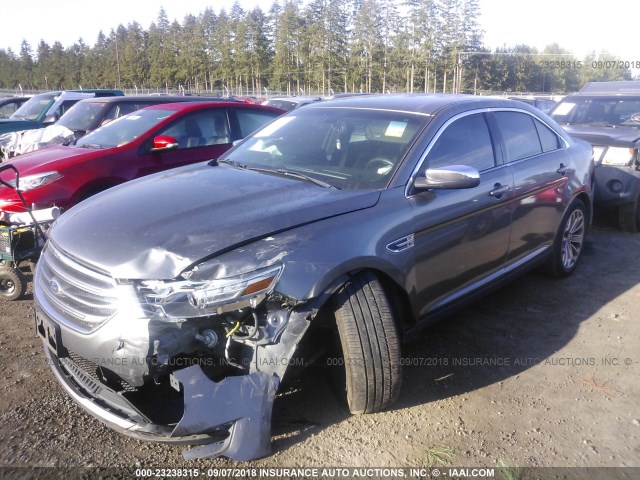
370 345
13 284
629 216
569 242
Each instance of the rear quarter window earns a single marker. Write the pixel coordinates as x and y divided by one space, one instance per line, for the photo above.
548 138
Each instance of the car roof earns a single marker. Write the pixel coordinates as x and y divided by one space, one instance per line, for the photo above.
297 99
187 106
425 103
98 92
625 87
154 98
13 99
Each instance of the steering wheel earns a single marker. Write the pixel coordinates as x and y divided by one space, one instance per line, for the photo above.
380 165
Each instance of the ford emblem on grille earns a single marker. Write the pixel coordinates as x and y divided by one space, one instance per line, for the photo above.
55 288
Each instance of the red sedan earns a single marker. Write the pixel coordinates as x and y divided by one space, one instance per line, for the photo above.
147 141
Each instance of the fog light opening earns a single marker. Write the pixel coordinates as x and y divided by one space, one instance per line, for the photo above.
615 186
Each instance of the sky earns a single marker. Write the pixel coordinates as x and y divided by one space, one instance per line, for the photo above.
575 26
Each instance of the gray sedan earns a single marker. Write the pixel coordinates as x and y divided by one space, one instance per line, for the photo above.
174 307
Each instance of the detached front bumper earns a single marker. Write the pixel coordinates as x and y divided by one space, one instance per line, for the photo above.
229 418
208 380
616 186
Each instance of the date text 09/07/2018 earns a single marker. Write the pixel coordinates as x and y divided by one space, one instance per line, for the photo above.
595 64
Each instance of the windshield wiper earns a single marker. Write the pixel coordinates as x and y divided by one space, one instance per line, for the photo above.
233 163
600 124
97 146
289 173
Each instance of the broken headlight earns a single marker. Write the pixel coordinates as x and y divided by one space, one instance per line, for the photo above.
178 299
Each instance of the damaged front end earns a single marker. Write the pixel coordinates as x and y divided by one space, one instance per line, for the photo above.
196 360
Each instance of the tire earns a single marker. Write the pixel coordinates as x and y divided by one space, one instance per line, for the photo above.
569 242
93 192
629 216
12 283
370 345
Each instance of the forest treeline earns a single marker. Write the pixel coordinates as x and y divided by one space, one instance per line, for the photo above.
313 46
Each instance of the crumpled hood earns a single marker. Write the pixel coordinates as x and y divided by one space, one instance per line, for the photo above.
155 227
609 136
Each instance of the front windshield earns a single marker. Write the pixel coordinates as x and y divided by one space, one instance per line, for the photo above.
81 116
124 130
346 148
34 107
605 111
283 104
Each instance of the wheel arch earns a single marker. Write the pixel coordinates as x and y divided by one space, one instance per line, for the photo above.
368 338
390 280
92 188
588 205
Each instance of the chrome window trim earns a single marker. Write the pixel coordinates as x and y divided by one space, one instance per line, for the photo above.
541 120
435 138
371 109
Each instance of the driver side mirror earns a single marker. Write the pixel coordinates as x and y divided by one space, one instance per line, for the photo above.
50 119
164 142
449 177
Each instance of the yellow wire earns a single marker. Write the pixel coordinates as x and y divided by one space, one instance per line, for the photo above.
233 330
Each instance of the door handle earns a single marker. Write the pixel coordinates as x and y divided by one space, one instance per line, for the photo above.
499 190
564 170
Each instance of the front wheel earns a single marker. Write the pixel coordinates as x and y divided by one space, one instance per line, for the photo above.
629 216
370 345
569 241
13 284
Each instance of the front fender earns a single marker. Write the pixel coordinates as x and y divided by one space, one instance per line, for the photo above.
616 186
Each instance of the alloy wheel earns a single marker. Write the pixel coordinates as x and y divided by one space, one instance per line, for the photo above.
572 239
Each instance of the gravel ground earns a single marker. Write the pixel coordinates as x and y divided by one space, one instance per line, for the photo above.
542 373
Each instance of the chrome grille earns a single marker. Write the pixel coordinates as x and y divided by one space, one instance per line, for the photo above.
82 297
89 371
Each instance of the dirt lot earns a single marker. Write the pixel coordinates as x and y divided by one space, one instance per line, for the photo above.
541 373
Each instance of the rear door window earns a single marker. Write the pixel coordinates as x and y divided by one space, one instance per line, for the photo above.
519 134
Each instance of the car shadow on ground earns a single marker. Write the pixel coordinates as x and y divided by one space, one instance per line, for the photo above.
518 326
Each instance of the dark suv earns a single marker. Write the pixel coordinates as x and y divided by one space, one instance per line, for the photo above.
607 115
174 307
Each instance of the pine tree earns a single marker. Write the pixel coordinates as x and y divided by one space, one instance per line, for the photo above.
25 65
